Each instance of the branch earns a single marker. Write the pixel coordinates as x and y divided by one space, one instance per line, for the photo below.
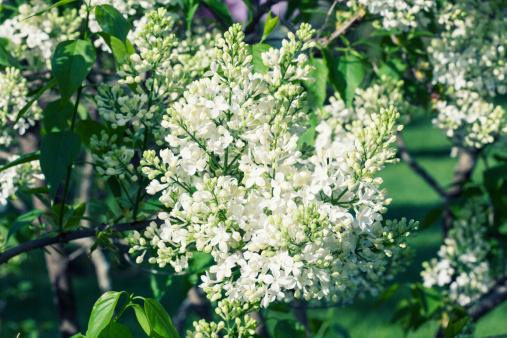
69 236
263 9
195 301
406 157
466 165
346 25
495 296
5 155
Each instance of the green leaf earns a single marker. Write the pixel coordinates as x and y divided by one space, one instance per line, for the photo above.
55 119
190 6
495 182
256 51
250 9
40 190
159 285
78 335
115 330
102 312
39 94
388 293
221 11
73 216
141 318
23 220
58 151
71 63
112 22
431 218
159 320
119 49
21 160
454 328
269 25
87 128
308 137
317 89
59 3
351 73
6 58
289 329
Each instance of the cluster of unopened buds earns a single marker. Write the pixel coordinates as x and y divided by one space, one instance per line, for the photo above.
157 72
337 122
462 270
242 325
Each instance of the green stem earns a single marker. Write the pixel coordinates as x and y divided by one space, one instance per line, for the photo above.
64 198
125 306
140 189
79 92
88 9
69 168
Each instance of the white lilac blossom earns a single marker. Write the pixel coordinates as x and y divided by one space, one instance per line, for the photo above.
470 51
160 72
14 178
471 122
337 122
278 227
396 14
462 269
13 97
36 38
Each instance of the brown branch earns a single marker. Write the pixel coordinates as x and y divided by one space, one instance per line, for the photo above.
301 316
261 329
69 236
329 12
196 301
5 155
495 296
407 157
343 28
466 165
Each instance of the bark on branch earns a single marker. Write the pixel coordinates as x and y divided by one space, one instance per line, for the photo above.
343 28
69 236
496 295
407 157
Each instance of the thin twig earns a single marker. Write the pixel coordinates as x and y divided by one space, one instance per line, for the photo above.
343 28
196 301
70 236
407 157
496 295
326 20
5 155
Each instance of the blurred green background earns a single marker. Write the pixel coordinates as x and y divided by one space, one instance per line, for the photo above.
412 198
